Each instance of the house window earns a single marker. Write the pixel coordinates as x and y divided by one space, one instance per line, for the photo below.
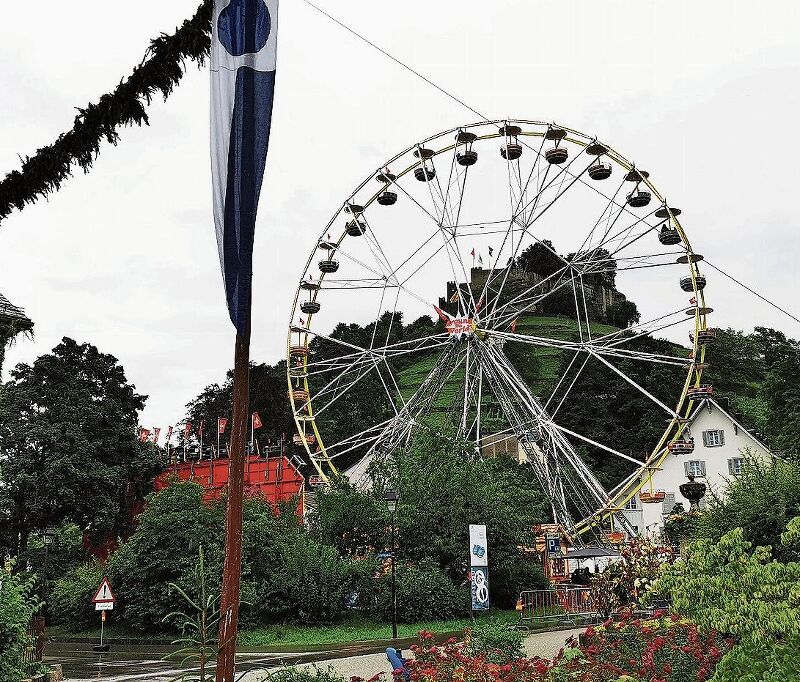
631 505
735 466
714 438
695 467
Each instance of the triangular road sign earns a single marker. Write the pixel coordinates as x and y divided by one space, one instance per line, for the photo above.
104 593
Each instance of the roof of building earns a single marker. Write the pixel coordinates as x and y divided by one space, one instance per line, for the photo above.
8 311
591 553
754 435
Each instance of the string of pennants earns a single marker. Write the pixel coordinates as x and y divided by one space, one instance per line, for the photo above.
152 435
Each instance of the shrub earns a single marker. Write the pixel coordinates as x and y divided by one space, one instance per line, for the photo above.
17 607
725 586
494 640
760 501
660 649
424 593
70 598
454 661
314 674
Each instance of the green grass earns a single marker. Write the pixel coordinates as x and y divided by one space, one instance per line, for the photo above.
357 628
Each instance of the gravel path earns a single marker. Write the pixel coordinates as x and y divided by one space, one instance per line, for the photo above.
542 644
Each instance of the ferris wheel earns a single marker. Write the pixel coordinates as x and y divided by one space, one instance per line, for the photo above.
512 245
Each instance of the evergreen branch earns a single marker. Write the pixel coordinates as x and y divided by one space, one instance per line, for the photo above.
160 71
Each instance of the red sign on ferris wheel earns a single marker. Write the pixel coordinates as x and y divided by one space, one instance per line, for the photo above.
457 326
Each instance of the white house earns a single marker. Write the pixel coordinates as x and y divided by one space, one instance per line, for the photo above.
719 441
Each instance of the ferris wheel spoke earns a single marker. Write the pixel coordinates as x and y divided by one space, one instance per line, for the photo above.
405 347
400 285
590 441
533 219
671 412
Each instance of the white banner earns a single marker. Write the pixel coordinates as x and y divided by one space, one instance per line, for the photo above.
478 552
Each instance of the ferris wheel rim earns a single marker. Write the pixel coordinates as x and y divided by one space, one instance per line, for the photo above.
684 406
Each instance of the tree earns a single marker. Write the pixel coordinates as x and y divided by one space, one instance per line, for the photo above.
68 445
761 501
541 259
443 489
728 586
622 314
17 606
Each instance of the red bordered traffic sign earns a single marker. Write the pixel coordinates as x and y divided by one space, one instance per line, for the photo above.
104 594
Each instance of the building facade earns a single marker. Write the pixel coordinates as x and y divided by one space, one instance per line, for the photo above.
721 442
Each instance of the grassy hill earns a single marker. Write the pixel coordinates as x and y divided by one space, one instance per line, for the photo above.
538 365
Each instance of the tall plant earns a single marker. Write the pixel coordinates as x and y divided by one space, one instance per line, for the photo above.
199 626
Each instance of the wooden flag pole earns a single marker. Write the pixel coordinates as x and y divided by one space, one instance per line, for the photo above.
231 577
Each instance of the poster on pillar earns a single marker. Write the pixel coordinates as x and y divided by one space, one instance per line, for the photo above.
479 567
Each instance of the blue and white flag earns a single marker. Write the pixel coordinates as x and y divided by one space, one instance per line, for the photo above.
243 55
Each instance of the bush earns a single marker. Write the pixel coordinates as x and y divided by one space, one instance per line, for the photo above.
424 593
760 501
496 641
664 649
164 549
70 598
17 607
315 674
725 586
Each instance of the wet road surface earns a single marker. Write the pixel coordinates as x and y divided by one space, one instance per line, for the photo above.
131 662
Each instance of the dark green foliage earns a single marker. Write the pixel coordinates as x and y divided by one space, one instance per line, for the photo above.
286 574
159 72
443 490
164 550
68 443
761 501
424 592
69 600
606 408
495 640
622 314
541 259
17 607
267 396
349 520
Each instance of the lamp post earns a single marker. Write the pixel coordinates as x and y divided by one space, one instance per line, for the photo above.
392 498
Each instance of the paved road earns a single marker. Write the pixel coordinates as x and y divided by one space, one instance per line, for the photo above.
132 663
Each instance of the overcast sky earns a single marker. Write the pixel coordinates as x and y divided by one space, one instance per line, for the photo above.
703 94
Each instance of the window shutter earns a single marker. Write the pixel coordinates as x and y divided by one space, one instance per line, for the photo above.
702 468
705 438
686 468
721 437
668 503
730 466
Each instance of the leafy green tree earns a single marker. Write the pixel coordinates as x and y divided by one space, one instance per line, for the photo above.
443 489
17 606
761 501
349 519
69 599
541 259
741 592
68 446
173 526
622 314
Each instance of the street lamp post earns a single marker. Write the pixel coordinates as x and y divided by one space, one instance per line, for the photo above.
392 498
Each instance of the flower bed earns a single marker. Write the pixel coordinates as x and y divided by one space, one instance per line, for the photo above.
661 649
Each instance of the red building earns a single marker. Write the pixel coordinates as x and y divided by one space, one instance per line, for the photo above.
274 477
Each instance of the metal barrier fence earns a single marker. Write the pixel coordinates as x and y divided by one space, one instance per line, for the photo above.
570 604
34 649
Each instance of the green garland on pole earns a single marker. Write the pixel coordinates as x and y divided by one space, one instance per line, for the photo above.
160 71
